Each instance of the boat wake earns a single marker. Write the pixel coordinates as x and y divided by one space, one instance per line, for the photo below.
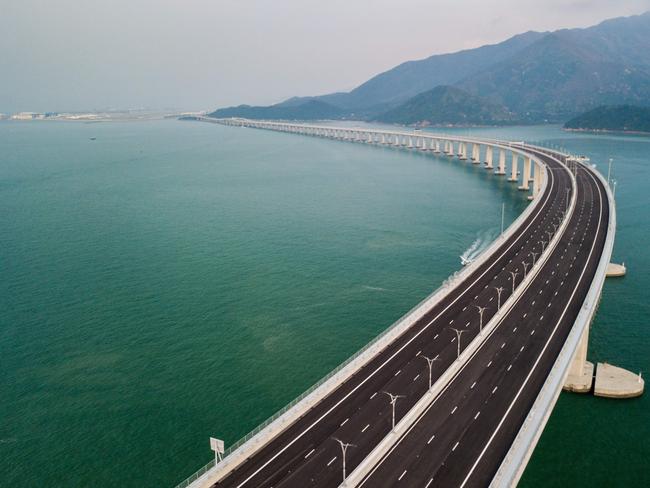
479 245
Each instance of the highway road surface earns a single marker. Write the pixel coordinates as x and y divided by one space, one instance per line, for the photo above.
464 435
461 439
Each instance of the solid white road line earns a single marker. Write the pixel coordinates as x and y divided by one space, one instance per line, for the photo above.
539 357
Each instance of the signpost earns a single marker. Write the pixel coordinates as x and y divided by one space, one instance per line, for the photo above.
218 447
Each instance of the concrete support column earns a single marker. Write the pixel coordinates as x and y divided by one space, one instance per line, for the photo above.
476 153
501 170
396 140
581 371
410 139
537 179
462 151
370 138
436 147
489 152
514 172
383 138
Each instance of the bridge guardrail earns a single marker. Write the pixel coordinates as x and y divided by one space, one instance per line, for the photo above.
515 461
396 329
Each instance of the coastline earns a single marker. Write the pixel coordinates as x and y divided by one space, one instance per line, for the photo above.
608 131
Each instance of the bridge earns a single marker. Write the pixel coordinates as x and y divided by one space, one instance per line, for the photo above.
458 391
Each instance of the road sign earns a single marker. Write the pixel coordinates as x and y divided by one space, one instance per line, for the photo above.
217 445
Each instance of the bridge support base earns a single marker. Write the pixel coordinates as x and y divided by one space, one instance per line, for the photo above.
580 382
616 270
614 382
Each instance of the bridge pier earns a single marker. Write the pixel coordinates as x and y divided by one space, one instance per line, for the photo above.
514 173
489 152
476 153
581 372
537 180
525 179
462 151
501 170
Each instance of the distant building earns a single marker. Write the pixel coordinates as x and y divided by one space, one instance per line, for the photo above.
27 116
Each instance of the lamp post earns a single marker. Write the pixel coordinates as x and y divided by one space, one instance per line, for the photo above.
393 402
514 275
430 362
344 450
525 265
534 255
481 310
550 235
499 290
543 243
458 334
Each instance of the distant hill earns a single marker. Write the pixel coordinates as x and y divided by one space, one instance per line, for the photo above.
446 105
614 118
412 77
570 71
537 76
307 110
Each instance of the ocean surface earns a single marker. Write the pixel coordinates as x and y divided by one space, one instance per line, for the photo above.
171 281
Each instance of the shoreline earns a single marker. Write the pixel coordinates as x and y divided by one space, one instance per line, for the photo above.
609 131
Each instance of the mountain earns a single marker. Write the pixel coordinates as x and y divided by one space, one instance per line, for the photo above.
448 105
413 77
570 71
308 110
626 118
537 76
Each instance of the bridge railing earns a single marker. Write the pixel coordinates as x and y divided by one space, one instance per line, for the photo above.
410 315
449 282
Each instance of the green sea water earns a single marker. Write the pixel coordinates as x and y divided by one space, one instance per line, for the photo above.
170 281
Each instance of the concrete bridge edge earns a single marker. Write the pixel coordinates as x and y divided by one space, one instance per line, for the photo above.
516 460
210 474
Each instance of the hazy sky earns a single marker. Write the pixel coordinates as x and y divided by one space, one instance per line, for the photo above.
201 54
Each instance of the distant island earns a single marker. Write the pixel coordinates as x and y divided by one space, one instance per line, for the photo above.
615 118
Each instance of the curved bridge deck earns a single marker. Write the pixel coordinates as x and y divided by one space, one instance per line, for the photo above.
455 427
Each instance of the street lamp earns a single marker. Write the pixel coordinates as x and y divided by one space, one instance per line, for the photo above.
481 310
430 362
534 255
393 401
525 265
543 243
550 235
458 334
514 275
344 450
499 290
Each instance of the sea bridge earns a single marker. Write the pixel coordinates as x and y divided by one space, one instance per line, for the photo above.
458 391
